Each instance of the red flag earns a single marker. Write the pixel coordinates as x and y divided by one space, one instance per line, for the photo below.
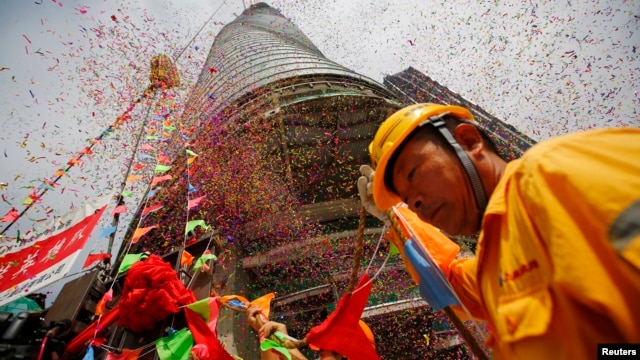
203 335
138 166
151 208
92 258
195 202
11 215
341 331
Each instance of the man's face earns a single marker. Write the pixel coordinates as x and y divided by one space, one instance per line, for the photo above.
431 180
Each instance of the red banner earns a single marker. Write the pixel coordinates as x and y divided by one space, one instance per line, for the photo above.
45 261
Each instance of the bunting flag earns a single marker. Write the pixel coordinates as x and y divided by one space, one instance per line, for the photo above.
270 345
143 156
176 346
132 178
186 259
119 210
87 151
140 232
191 225
89 354
152 192
102 304
194 202
159 179
107 231
164 159
202 334
11 215
125 354
93 258
126 193
161 169
208 309
138 166
151 208
147 147
131 259
192 189
341 331
201 262
191 153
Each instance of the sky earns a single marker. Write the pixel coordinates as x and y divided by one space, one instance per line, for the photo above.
69 68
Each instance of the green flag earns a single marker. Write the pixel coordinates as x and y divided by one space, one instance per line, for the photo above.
268 344
202 260
193 224
161 169
129 260
175 347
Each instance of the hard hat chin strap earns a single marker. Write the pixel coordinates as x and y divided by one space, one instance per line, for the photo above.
472 172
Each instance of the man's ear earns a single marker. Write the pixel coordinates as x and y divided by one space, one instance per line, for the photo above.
469 138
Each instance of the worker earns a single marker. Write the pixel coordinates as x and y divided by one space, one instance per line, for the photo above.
268 328
557 266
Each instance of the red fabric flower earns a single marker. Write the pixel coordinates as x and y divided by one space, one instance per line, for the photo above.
151 292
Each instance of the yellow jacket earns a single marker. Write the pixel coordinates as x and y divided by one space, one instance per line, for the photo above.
557 269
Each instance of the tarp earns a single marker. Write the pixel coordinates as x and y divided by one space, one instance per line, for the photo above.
48 257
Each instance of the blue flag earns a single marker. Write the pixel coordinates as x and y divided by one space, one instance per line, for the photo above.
434 287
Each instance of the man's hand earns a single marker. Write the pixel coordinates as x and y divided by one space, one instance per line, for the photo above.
366 197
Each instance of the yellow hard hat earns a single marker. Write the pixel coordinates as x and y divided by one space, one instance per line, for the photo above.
392 132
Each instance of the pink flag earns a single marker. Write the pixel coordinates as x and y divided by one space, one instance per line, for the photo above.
119 210
195 202
11 215
151 208
158 179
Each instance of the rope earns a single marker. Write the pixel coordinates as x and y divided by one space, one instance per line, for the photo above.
357 254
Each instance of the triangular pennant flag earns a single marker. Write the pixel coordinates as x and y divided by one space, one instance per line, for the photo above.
161 169
158 179
89 354
140 232
176 346
194 202
129 260
270 345
341 331
126 193
152 192
151 208
191 153
11 215
195 223
202 260
119 210
132 178
209 310
138 166
186 259
93 258
126 354
192 189
164 159
264 302
143 156
147 147
102 304
107 231
202 334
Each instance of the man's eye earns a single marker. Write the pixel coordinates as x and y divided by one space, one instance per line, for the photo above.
410 176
